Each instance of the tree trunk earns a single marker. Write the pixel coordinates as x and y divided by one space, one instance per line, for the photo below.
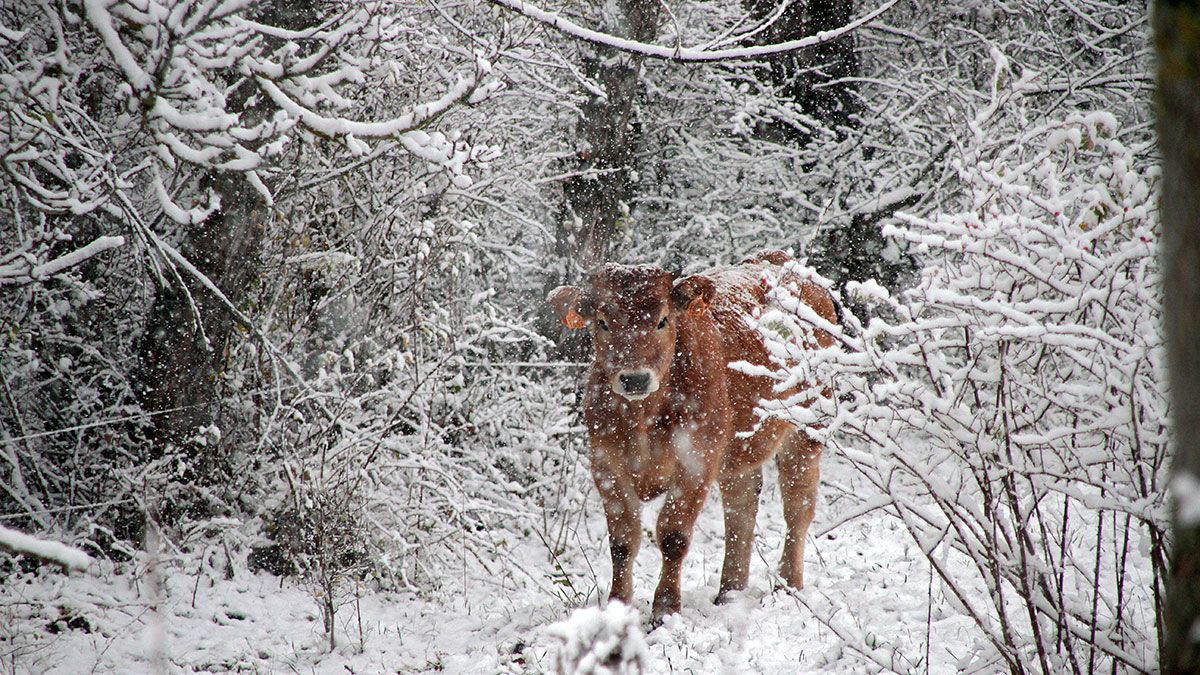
828 96
596 200
178 371
815 79
820 83
607 135
1177 38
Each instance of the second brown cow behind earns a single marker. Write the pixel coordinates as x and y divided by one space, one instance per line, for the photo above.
665 414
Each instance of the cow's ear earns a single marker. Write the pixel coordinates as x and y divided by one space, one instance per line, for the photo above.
565 301
694 293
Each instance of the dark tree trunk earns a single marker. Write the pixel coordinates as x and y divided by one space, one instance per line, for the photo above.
596 202
605 142
179 370
1177 38
828 95
820 82
607 136
815 80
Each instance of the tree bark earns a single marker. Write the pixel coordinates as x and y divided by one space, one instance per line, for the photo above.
178 370
607 136
1177 39
820 83
596 199
815 80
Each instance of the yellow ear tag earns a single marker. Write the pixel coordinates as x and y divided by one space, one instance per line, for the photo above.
697 307
573 321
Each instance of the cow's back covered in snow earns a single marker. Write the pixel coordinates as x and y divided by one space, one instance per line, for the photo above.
665 414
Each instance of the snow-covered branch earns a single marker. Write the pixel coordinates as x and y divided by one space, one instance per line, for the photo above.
50 551
21 267
685 54
467 89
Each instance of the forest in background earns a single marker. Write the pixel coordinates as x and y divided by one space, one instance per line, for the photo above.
272 278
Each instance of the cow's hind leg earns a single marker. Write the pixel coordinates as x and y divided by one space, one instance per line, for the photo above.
739 499
799 475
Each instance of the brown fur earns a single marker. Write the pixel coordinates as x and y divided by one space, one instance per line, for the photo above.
683 436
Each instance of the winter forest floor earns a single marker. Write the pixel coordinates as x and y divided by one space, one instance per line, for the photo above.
866 582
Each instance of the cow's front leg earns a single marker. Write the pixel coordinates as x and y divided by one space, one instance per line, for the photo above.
675 525
622 509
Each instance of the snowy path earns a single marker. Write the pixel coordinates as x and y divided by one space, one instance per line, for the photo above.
864 576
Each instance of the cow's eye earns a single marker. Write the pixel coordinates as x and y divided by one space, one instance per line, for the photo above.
662 323
602 323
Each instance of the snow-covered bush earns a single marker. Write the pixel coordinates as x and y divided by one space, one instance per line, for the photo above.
123 122
1010 407
404 310
377 412
600 641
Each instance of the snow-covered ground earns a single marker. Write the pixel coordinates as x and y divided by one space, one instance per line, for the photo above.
868 606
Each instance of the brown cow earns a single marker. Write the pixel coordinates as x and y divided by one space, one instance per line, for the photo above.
665 413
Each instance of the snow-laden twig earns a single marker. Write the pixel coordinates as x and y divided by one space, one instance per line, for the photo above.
685 54
51 551
21 268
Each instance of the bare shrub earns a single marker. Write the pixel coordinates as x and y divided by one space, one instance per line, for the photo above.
1009 408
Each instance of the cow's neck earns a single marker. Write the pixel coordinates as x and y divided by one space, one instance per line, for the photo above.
697 359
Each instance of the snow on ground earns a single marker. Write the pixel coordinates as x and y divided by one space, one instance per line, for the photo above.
866 581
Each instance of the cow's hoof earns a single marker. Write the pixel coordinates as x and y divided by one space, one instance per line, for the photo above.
727 595
658 621
623 598
788 587
663 607
794 579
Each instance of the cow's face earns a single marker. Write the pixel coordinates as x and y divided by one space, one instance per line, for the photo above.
634 315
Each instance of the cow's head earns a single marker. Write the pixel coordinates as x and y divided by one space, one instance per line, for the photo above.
634 315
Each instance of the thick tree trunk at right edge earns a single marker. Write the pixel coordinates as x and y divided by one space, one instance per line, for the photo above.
1177 38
